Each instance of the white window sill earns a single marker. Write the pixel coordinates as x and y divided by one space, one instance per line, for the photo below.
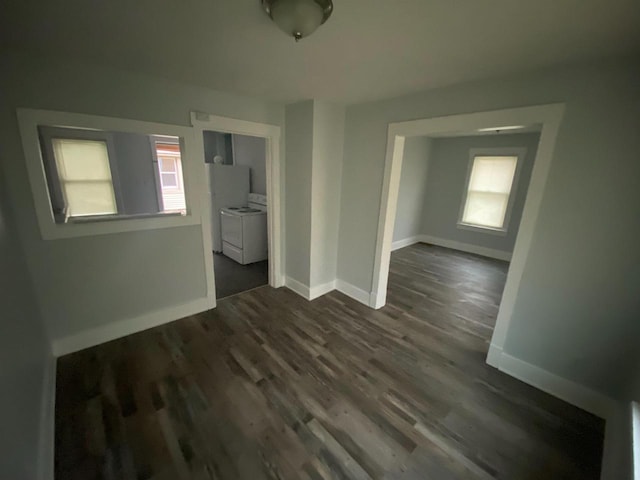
477 228
109 224
112 218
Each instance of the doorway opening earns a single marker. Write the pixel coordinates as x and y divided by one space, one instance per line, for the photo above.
460 202
237 186
240 193
544 121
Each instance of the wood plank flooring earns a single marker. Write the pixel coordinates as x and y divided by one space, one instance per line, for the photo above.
270 386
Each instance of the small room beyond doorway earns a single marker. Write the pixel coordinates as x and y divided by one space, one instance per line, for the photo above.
237 183
460 203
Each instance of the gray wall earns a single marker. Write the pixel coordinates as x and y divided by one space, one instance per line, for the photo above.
576 313
328 143
136 173
25 355
299 148
446 184
216 143
89 282
413 181
251 152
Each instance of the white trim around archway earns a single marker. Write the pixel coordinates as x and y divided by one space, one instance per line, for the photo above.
548 116
204 122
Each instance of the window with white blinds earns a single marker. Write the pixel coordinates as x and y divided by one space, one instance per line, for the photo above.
85 177
489 190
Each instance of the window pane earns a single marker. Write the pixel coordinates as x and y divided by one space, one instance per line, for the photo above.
89 198
167 164
85 176
486 209
81 159
169 180
170 169
492 174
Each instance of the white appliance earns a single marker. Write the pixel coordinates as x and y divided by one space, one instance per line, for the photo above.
228 186
244 231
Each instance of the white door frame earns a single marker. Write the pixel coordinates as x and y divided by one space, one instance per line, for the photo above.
202 122
548 116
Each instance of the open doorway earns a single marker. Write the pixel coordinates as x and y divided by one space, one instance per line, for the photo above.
460 202
545 119
237 186
240 194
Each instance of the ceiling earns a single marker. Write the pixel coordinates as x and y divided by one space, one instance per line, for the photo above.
369 49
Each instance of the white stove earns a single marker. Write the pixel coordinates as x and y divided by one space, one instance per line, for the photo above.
244 230
241 211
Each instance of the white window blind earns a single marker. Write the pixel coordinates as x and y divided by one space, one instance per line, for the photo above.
488 191
85 177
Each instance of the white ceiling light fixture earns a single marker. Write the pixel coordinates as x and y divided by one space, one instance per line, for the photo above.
298 18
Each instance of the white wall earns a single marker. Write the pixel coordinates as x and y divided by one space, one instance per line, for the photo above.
298 151
25 355
413 182
251 152
328 143
577 309
91 282
446 184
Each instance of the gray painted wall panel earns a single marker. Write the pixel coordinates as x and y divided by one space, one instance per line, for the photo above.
136 173
299 147
24 355
413 180
328 143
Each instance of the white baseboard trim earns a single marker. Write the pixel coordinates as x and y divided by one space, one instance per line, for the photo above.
309 293
398 244
297 287
122 328
354 292
47 422
320 290
340 285
466 247
562 388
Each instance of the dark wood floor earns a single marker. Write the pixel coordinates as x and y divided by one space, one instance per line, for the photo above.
233 278
270 386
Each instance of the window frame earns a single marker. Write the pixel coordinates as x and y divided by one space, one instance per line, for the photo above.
153 141
48 134
520 154
29 120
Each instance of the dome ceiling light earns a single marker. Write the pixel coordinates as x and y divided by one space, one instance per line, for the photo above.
298 18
